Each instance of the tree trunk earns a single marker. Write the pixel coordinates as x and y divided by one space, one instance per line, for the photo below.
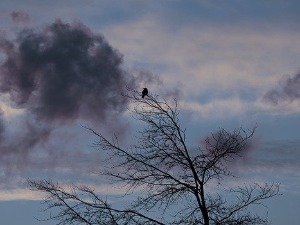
205 216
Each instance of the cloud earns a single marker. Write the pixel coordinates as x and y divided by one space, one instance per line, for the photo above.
20 194
20 17
56 75
2 126
27 194
217 108
288 90
209 60
21 142
51 79
64 72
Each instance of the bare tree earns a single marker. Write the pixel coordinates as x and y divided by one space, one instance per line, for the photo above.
172 183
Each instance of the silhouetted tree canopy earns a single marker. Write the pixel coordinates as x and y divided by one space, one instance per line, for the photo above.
169 182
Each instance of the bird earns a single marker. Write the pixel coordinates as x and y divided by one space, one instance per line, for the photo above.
144 92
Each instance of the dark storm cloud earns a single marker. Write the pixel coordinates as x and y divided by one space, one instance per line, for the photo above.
57 74
288 90
6 47
63 72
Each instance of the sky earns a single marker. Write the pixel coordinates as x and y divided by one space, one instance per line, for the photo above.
228 63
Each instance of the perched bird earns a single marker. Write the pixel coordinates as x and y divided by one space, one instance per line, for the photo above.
144 92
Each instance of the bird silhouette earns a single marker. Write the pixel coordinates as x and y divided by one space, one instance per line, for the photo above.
144 92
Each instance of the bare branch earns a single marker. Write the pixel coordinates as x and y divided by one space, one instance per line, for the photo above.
160 171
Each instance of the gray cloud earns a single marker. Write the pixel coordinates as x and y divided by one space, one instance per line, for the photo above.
20 17
57 74
288 90
60 74
15 149
63 72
